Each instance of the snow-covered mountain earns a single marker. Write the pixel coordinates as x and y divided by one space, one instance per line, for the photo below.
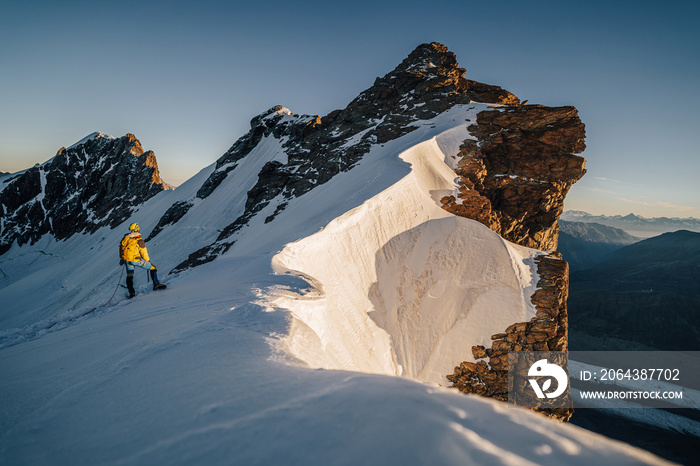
98 181
313 243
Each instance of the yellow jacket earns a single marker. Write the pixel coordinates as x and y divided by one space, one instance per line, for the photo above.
133 248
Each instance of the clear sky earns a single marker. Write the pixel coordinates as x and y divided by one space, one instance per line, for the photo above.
186 77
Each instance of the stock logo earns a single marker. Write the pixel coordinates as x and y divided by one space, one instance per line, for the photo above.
544 369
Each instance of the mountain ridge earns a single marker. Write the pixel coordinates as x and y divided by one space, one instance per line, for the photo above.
585 245
636 225
426 83
514 160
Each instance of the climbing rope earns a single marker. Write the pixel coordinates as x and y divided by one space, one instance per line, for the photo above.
110 299
94 308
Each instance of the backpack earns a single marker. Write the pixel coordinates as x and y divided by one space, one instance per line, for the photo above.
129 248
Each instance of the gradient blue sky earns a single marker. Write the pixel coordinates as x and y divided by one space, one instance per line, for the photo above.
187 77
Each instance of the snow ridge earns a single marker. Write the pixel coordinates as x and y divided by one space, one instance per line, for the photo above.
401 286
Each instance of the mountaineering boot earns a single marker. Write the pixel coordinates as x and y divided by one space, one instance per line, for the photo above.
156 284
130 286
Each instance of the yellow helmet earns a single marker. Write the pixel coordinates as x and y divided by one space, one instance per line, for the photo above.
134 227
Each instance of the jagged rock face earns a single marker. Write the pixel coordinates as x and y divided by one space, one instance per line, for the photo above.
547 331
428 82
515 176
96 183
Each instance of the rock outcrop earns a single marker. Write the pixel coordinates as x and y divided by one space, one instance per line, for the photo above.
515 175
513 178
97 182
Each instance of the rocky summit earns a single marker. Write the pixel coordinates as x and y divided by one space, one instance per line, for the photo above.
95 183
428 82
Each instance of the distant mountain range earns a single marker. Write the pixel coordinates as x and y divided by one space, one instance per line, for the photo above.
636 225
586 245
644 296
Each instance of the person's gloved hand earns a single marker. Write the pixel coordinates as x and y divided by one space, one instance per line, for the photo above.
121 262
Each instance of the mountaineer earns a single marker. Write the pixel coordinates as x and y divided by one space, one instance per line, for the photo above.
133 253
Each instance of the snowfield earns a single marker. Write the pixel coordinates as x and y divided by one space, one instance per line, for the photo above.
322 337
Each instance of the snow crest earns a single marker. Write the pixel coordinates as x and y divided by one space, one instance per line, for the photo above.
399 285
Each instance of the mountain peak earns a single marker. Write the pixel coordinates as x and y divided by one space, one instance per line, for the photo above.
97 182
431 59
427 83
270 117
429 69
95 135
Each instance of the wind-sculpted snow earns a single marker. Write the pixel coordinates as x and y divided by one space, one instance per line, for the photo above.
402 287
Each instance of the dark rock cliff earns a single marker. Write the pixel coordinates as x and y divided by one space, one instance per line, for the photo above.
513 179
98 182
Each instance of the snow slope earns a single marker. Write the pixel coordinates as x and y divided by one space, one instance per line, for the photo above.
197 374
186 377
